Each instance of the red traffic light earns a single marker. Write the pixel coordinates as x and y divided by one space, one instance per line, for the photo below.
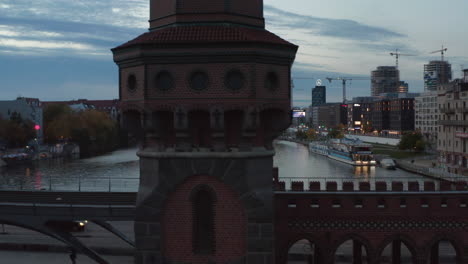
37 127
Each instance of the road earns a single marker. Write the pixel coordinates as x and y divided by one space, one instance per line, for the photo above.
112 248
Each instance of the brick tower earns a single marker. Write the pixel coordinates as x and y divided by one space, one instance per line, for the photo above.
206 90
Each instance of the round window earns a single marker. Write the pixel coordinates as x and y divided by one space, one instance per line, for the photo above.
272 81
164 81
132 83
234 80
199 81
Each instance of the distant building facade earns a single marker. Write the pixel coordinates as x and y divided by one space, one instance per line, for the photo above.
319 95
403 87
328 115
28 108
436 73
427 116
381 115
401 115
360 113
111 107
385 79
453 130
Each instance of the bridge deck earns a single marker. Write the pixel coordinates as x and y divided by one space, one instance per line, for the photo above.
74 198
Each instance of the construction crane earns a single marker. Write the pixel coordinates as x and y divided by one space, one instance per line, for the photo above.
344 80
397 54
442 52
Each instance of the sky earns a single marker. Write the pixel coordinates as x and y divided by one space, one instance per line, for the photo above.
60 49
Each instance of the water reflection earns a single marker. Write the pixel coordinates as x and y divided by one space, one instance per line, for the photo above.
119 171
295 163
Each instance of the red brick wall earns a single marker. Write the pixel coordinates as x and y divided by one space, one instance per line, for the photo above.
139 73
230 224
217 89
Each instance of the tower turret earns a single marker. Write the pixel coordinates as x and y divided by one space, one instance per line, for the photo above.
206 91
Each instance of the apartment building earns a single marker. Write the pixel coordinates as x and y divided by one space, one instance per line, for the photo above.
452 138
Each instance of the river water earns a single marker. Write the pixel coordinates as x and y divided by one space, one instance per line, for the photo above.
119 171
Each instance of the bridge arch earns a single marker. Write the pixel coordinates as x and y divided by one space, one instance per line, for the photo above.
400 241
64 237
304 250
432 251
358 243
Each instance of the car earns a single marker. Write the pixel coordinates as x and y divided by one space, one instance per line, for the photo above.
68 226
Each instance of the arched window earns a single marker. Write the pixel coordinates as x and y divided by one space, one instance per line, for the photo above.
203 233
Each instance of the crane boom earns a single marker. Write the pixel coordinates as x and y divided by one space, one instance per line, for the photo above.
344 80
442 52
397 54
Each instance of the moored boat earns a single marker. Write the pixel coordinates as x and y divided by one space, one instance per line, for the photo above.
353 152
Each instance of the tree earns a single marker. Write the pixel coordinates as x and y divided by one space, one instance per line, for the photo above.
413 141
92 130
59 121
301 134
367 127
17 132
336 133
311 134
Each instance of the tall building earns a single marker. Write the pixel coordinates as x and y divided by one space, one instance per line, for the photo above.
319 95
208 89
385 79
403 87
436 73
427 116
360 114
452 137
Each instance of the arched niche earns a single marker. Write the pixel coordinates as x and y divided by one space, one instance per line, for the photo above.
233 124
200 128
163 126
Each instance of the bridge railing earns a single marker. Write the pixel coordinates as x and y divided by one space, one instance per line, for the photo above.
75 184
297 184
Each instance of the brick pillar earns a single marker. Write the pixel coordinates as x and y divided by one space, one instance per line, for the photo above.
435 254
396 252
357 252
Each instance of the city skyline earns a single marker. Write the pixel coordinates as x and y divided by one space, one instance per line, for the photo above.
57 50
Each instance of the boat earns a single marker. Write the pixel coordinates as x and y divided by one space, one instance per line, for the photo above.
349 151
318 147
388 164
15 158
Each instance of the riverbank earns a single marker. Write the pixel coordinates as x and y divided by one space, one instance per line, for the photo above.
428 167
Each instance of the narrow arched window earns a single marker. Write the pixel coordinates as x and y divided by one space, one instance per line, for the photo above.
203 204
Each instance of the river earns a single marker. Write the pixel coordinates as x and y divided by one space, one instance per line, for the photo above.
119 171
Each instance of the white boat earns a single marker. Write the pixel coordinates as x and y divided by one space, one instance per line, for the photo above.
319 147
388 164
352 152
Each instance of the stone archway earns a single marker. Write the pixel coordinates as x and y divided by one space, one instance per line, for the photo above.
398 250
352 249
444 251
303 251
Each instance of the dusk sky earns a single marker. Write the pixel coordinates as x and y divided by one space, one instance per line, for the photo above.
60 49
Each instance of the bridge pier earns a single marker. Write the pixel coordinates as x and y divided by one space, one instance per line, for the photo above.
396 252
357 252
435 254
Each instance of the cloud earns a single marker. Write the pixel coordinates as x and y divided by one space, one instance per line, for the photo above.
337 28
